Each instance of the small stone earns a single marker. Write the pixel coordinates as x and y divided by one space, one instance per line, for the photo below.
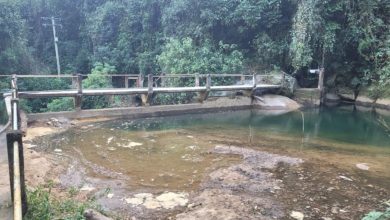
134 201
110 195
346 178
87 188
57 150
29 146
362 166
109 140
143 195
326 218
151 204
335 210
297 215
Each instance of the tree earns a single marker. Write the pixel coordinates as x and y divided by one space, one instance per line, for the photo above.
183 56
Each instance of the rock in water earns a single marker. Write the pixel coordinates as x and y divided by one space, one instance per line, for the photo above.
297 215
275 102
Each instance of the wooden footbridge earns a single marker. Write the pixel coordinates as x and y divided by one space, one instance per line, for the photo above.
198 83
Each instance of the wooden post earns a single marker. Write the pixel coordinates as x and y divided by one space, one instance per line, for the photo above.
126 82
146 99
254 80
14 85
140 81
196 79
74 80
150 84
78 98
242 79
163 80
321 84
205 94
321 79
208 82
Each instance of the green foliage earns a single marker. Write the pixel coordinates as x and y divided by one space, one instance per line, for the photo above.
40 84
350 38
61 104
375 215
302 33
98 78
183 56
42 205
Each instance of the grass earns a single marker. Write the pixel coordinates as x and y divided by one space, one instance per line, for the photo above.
377 215
42 205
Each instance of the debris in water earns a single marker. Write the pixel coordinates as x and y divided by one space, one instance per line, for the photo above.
362 166
297 215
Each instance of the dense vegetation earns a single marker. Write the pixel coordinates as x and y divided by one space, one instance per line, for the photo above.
349 38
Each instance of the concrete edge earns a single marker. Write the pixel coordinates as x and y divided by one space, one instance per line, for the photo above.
137 112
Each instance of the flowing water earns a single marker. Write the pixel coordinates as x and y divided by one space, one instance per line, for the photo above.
174 152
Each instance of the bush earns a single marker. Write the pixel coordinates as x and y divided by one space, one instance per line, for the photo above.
375 215
61 104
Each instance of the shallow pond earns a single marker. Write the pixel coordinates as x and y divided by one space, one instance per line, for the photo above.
173 153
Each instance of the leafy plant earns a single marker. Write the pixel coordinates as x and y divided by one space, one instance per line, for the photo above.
44 206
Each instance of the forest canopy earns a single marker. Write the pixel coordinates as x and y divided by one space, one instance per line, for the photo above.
349 38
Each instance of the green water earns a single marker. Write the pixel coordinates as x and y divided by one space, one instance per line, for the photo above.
344 125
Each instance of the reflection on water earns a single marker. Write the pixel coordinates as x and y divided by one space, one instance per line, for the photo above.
173 152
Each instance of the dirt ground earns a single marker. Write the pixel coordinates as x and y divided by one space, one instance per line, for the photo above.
265 184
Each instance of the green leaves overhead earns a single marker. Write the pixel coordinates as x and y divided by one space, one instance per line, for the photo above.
183 56
350 38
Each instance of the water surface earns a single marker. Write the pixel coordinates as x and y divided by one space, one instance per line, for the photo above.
174 152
